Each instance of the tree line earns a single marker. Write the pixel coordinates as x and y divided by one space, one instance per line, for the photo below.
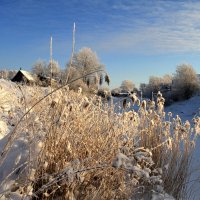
183 84
84 62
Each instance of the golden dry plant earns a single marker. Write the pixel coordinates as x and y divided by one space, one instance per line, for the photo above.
79 147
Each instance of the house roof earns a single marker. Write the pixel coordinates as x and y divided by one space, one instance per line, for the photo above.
27 75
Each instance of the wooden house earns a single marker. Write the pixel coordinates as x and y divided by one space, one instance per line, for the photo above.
23 76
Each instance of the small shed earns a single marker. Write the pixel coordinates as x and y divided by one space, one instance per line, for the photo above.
46 81
43 80
23 77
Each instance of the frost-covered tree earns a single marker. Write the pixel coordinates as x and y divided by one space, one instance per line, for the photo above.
127 85
53 69
39 68
185 82
11 74
85 62
154 83
75 74
167 79
4 74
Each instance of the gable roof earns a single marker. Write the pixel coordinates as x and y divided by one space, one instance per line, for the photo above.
27 75
21 74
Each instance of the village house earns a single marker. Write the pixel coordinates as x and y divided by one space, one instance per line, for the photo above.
23 76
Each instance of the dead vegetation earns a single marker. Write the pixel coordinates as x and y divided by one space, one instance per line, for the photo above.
77 147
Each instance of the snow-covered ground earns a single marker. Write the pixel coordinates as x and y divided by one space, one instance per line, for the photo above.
187 110
12 96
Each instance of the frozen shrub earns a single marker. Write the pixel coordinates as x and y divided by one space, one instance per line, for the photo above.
185 82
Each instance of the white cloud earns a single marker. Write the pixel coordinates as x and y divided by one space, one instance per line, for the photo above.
163 27
143 26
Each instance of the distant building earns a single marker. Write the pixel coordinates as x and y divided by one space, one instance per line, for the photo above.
23 76
44 80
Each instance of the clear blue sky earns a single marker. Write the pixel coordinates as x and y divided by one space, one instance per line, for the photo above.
133 38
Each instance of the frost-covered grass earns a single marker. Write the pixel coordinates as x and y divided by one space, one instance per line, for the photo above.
75 147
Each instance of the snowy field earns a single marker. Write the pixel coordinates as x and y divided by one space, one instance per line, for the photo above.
187 110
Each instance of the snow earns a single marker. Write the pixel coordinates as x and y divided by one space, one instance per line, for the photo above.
17 157
187 110
28 75
3 129
10 111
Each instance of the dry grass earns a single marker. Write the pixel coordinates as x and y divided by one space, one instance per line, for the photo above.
87 151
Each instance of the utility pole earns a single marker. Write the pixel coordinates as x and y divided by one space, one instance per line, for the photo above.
72 55
73 41
51 54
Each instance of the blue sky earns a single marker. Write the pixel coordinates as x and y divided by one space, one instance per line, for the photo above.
133 38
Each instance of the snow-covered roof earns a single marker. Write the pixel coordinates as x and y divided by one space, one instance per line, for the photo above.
27 75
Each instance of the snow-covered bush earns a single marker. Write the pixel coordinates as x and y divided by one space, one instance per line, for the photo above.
185 82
